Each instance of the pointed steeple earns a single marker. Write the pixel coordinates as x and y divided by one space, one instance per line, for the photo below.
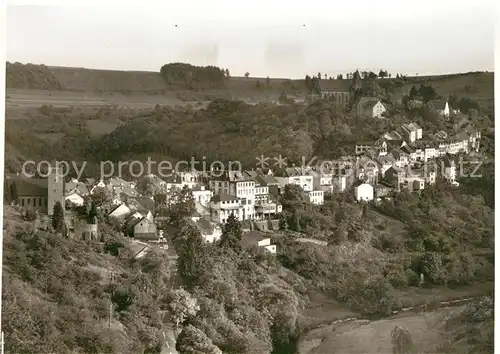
356 81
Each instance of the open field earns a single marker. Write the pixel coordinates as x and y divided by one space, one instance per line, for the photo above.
36 98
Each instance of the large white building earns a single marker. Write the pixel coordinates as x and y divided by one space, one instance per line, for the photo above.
363 192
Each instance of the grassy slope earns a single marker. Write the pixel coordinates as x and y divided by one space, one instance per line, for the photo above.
81 79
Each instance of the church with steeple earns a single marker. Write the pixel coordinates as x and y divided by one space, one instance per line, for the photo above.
33 192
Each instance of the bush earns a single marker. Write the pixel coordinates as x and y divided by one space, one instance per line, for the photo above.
402 343
30 215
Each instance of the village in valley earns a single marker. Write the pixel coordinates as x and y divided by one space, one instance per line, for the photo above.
406 158
278 179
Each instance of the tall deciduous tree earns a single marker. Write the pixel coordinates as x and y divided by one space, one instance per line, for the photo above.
181 305
194 341
101 196
192 250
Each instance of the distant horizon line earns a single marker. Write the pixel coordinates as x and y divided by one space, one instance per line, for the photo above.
235 76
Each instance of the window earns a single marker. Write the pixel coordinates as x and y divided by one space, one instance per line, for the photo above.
29 201
22 202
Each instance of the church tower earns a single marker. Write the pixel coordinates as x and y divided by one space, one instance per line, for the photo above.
55 188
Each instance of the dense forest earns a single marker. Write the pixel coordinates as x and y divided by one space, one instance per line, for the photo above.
193 77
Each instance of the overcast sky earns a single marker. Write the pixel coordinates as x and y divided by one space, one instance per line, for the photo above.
274 38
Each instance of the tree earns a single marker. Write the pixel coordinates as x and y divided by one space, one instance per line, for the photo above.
315 85
232 234
308 82
371 75
227 73
58 217
101 196
382 73
326 76
247 74
30 215
339 77
402 342
413 92
294 198
191 340
146 187
160 199
182 204
466 104
319 76
181 305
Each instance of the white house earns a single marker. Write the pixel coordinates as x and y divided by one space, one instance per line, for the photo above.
223 205
440 106
450 171
74 198
121 211
371 108
209 231
412 132
202 195
363 192
97 185
300 178
266 244
317 197
189 178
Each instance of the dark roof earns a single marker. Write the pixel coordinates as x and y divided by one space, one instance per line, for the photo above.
31 187
408 149
205 225
369 104
252 237
438 104
146 203
384 184
223 198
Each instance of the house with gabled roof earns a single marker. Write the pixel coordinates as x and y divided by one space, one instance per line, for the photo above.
366 169
385 162
395 176
75 192
370 107
412 132
209 231
141 229
363 191
120 212
440 106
